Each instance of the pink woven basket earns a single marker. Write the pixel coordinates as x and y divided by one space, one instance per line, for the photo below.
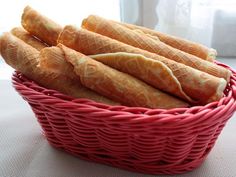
154 141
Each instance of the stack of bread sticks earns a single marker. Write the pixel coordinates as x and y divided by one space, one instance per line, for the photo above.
114 63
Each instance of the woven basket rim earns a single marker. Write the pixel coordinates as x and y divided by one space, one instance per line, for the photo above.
227 102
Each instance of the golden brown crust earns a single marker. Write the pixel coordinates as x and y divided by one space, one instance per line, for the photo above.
27 38
116 85
179 43
123 34
199 85
151 71
40 26
53 58
25 59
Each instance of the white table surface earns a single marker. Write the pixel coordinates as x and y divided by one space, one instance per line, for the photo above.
24 152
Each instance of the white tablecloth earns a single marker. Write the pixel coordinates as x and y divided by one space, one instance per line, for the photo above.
24 152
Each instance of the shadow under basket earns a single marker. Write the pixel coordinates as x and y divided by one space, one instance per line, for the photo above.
153 141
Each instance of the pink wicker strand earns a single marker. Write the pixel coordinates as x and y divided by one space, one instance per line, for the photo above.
154 141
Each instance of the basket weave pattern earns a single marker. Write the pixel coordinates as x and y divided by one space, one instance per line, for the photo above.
154 141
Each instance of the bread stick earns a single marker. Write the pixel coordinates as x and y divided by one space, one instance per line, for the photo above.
27 38
40 26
